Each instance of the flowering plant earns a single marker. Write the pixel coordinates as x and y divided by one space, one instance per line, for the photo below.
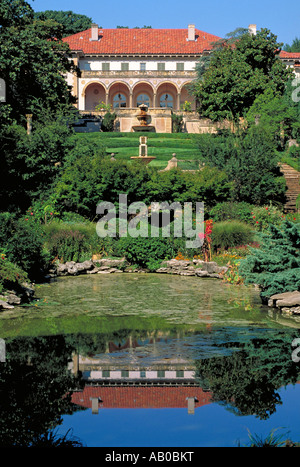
206 247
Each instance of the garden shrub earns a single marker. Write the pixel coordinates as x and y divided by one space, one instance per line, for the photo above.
228 234
275 266
146 252
177 123
69 245
22 241
108 121
71 241
11 276
231 210
262 216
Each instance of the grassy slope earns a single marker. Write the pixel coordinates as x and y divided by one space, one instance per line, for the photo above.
160 145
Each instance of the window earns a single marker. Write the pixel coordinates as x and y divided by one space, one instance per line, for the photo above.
105 66
180 66
125 66
124 373
106 373
161 66
166 100
161 373
143 374
143 99
87 66
179 374
119 101
143 66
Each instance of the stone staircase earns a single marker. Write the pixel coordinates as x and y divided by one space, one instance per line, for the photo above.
292 177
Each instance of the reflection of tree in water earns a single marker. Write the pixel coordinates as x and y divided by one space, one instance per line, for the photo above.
34 383
248 380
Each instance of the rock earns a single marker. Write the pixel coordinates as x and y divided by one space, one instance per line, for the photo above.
162 270
111 263
285 299
12 299
62 270
5 305
85 266
201 273
287 302
93 271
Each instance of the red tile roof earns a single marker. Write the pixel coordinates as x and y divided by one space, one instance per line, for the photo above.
141 41
118 397
292 55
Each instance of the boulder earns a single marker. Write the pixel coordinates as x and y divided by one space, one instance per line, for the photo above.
4 305
285 299
85 266
13 299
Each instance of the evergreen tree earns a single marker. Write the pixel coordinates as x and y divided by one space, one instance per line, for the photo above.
275 266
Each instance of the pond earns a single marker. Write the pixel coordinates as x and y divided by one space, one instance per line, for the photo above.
147 360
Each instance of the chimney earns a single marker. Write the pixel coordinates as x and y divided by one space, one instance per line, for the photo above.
191 32
94 35
252 29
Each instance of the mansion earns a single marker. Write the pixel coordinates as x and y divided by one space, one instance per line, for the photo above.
124 68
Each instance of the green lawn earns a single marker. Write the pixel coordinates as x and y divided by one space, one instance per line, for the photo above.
160 145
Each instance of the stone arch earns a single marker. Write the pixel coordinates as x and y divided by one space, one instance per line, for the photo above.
119 89
93 93
145 89
167 95
185 95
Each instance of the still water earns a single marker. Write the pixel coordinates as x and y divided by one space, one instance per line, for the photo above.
147 360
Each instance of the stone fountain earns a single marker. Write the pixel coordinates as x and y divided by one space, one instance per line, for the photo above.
143 152
143 119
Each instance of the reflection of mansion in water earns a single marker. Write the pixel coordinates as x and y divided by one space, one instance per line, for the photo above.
125 68
135 374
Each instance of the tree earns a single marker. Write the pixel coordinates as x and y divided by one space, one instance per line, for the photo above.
277 114
71 22
275 266
33 61
250 162
29 164
237 72
295 47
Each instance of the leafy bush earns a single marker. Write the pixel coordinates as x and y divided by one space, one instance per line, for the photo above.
68 245
262 216
22 241
108 121
146 252
231 210
228 234
71 241
177 123
11 276
275 266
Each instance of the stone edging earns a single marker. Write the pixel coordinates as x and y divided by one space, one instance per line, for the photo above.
108 266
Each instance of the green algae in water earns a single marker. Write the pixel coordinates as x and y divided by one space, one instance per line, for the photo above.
99 302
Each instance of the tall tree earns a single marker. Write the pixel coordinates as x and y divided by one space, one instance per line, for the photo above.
295 47
238 71
33 61
71 22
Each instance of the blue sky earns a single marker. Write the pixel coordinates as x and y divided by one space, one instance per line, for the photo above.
217 17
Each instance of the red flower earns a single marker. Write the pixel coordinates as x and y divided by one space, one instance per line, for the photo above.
257 222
